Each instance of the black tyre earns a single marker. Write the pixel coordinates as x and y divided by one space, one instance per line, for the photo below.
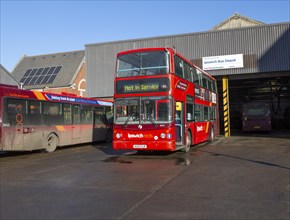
211 135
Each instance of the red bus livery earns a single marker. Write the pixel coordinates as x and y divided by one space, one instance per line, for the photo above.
162 102
31 120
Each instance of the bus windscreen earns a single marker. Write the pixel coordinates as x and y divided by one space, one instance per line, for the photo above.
142 64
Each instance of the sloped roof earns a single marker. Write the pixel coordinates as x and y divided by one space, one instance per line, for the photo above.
6 77
236 21
69 64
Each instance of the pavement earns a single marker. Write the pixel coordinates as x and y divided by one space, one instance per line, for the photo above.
246 176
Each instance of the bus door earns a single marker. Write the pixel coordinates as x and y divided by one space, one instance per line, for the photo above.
100 124
179 123
76 128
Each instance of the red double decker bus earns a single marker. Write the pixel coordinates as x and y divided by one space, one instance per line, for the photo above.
162 102
31 120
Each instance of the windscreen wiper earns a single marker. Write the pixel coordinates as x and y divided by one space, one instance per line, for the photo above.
127 120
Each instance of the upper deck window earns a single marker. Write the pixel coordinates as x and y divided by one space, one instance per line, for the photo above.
143 64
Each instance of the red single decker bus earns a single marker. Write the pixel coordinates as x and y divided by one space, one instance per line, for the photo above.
31 120
162 102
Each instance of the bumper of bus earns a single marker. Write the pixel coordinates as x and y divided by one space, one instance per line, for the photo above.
165 145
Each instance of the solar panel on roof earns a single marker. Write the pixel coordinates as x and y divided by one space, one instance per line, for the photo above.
51 70
22 80
39 71
27 72
38 81
33 81
40 76
45 71
27 81
45 80
57 69
51 79
32 73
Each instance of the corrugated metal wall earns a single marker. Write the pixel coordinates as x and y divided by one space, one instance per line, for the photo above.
265 48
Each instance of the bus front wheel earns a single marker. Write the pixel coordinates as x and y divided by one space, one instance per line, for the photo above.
51 143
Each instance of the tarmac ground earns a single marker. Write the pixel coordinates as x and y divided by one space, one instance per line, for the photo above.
246 176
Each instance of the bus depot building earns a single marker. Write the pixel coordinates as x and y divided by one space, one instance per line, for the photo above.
254 61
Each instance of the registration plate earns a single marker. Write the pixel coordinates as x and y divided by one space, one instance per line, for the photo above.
139 146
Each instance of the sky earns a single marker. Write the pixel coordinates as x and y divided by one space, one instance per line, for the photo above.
44 27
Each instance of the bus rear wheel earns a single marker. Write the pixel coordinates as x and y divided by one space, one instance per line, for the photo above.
51 143
211 135
188 143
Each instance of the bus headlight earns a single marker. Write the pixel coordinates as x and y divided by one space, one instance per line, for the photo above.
169 136
118 135
162 135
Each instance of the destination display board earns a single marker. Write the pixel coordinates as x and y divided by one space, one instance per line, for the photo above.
142 85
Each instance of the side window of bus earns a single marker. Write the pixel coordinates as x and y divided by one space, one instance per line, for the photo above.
178 66
109 115
206 113
34 112
100 116
214 87
205 82
212 114
67 115
87 115
187 71
189 108
198 80
52 113
198 112
210 83
16 111
194 75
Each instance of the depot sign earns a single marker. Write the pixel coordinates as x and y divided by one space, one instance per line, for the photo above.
223 62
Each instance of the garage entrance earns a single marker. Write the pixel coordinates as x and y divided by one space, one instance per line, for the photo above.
271 88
